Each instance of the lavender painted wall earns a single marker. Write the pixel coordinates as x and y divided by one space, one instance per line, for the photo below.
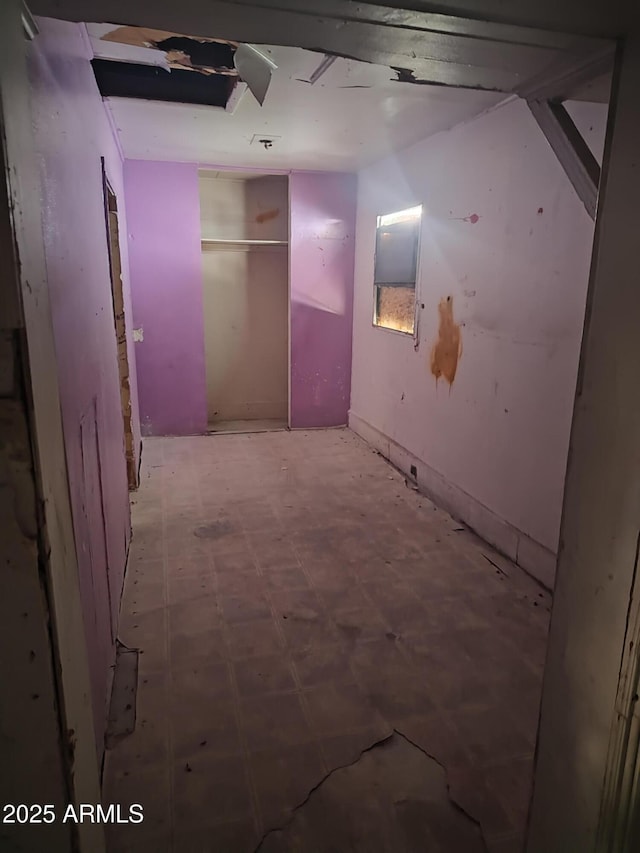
323 212
166 272
71 134
163 217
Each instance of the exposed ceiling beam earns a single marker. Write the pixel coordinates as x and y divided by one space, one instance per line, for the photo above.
29 26
322 68
427 47
541 22
572 151
598 18
598 90
561 79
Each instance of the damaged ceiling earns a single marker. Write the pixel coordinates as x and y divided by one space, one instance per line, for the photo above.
158 65
338 114
314 110
206 55
426 46
133 80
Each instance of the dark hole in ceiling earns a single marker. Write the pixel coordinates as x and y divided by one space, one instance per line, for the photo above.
209 54
129 80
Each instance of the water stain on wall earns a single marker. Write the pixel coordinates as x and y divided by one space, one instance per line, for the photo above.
267 215
447 350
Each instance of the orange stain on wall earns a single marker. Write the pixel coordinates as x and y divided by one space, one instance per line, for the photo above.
267 215
447 349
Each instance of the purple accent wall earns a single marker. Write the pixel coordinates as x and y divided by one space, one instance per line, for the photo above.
163 216
72 134
323 213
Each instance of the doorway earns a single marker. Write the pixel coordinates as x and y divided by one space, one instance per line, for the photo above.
245 264
115 270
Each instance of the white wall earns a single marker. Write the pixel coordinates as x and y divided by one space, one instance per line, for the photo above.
245 298
493 448
591 121
222 207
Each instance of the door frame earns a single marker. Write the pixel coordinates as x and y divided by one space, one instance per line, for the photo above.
289 300
54 606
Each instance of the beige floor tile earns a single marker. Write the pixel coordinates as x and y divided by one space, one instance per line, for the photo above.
293 603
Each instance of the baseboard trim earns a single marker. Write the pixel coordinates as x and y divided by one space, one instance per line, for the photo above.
534 558
309 428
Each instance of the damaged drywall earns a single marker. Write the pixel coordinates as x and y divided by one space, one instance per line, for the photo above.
447 349
120 322
151 83
394 796
190 53
406 75
134 70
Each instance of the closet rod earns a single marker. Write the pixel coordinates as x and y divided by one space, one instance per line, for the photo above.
246 242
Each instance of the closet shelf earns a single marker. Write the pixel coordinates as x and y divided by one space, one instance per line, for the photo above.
216 242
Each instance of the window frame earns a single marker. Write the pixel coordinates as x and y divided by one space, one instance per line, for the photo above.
416 293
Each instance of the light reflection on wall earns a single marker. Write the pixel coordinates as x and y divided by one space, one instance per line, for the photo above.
325 232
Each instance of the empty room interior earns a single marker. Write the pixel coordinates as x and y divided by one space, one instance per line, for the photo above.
315 312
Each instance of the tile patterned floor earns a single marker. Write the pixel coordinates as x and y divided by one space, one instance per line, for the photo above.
294 600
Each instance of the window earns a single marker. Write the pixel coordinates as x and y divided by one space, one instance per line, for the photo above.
395 269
